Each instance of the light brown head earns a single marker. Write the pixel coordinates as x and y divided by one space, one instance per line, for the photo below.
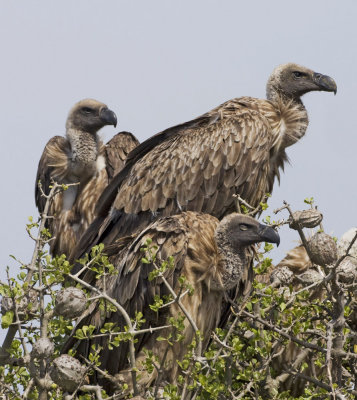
241 231
292 81
90 115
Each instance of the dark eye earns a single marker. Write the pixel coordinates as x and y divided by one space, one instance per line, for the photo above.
243 227
87 110
297 74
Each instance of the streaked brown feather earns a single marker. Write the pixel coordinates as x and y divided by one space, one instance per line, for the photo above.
117 150
52 165
183 149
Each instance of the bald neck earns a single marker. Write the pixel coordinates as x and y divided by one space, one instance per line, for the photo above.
232 260
275 94
84 145
84 152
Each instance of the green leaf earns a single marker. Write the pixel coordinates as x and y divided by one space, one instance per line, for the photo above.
7 319
268 247
22 275
309 200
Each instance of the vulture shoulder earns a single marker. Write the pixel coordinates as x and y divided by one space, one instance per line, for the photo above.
117 150
52 165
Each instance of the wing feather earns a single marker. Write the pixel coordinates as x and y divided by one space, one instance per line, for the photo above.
132 288
52 165
117 150
193 165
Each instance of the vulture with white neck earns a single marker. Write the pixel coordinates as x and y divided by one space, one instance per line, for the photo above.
237 148
81 158
213 256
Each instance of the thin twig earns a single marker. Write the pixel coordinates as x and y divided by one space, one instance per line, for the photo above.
97 390
254 210
135 333
28 389
104 374
182 307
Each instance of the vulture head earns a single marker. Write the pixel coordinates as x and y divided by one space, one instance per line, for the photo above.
90 115
241 231
233 236
292 81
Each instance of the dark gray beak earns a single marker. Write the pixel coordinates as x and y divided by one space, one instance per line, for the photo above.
325 83
268 234
108 116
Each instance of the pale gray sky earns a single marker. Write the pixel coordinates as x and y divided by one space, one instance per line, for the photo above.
159 63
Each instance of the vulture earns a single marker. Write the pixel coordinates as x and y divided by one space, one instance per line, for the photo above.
81 158
213 256
237 148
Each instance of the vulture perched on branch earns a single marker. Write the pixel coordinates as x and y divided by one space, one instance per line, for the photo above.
81 158
213 256
237 148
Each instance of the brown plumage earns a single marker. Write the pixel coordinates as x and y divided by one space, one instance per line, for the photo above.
237 147
80 157
212 255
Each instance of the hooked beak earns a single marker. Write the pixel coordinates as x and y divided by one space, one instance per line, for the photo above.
268 234
108 116
324 82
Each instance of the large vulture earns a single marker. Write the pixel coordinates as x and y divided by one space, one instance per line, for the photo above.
81 158
237 148
213 256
